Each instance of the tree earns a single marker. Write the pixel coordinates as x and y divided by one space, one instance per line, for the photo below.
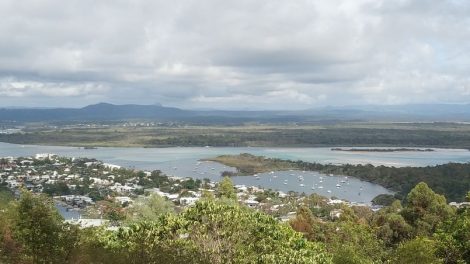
425 209
226 189
150 208
454 238
40 230
304 222
207 195
390 225
357 240
211 232
417 251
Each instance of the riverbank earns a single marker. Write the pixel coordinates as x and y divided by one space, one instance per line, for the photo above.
340 135
401 180
383 149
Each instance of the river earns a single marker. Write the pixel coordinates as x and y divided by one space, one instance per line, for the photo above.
184 162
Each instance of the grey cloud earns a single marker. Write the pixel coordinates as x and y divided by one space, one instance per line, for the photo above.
234 54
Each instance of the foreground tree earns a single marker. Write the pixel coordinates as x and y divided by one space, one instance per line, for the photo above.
212 232
390 225
454 238
150 208
226 189
40 231
425 209
417 251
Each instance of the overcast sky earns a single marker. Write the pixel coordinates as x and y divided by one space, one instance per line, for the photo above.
234 54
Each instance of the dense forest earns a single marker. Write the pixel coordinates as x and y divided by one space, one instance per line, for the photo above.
435 135
219 230
452 179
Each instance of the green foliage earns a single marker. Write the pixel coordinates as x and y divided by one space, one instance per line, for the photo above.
350 255
417 251
211 232
112 211
452 179
39 232
220 231
412 135
150 208
359 240
383 199
425 210
6 196
59 188
390 225
454 238
226 189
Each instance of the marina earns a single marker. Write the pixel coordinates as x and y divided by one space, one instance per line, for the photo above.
186 162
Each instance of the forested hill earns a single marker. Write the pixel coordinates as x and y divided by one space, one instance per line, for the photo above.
106 111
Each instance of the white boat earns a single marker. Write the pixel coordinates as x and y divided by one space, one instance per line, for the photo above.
328 191
301 185
320 187
338 185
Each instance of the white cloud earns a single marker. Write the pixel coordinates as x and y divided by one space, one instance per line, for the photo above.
9 87
193 53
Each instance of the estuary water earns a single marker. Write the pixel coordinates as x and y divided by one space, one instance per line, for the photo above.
184 162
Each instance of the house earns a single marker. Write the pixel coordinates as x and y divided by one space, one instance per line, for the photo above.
123 200
111 166
43 156
188 200
460 205
251 203
336 201
336 213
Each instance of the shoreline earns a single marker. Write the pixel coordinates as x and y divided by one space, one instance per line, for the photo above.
359 148
395 149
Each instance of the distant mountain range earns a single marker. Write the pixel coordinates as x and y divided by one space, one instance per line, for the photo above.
110 112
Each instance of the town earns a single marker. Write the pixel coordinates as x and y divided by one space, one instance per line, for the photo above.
96 191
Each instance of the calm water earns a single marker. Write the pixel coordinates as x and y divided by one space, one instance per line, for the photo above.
67 214
182 161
